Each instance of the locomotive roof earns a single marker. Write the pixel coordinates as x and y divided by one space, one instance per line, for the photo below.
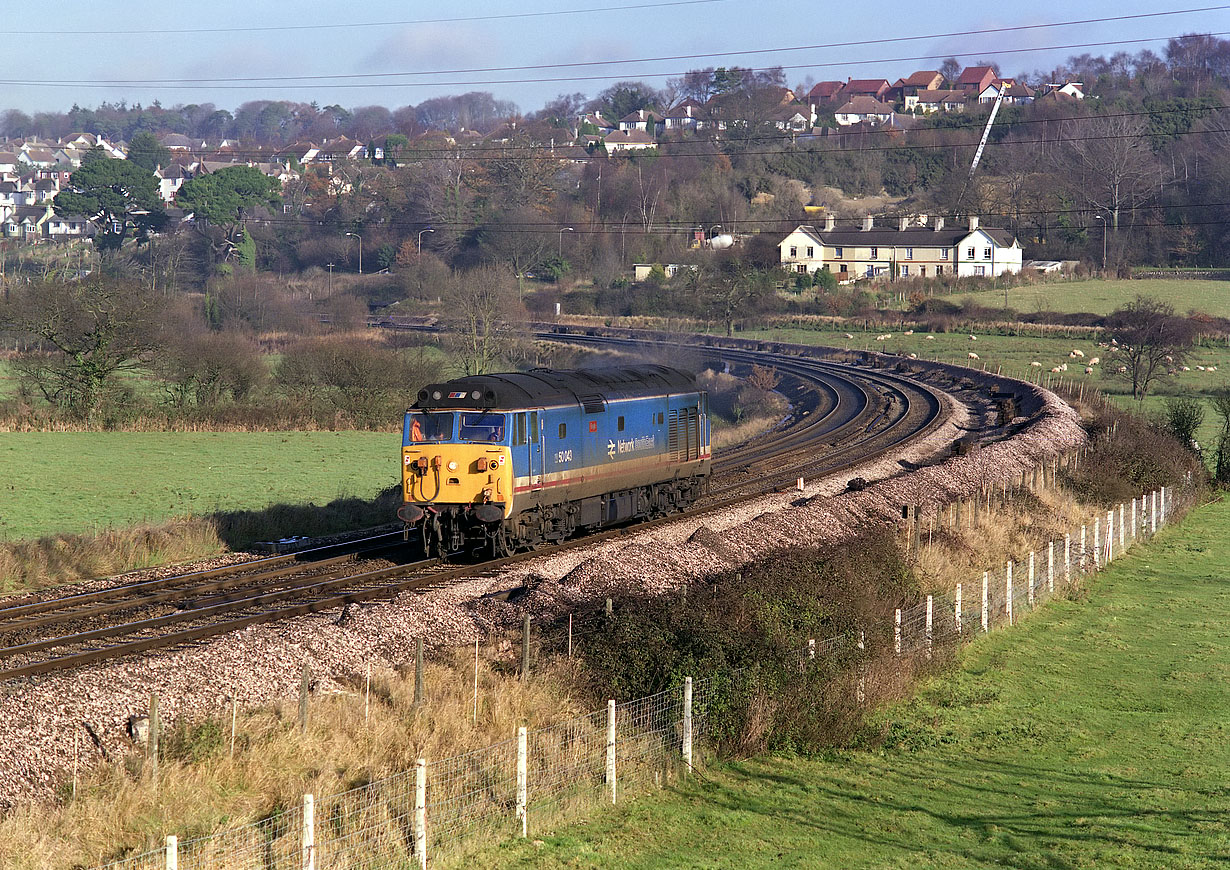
544 387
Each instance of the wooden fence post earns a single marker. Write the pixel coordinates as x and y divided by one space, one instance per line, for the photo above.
1133 518
986 601
1050 567
420 812
154 735
1153 513
522 780
309 832
1122 511
1067 557
687 722
1080 563
610 747
1097 542
1008 593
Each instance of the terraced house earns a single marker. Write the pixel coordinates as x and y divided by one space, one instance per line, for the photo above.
914 248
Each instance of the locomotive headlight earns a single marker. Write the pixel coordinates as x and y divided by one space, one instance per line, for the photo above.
452 465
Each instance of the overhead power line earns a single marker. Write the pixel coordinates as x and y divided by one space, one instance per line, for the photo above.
274 28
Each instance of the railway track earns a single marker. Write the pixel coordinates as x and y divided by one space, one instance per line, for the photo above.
840 418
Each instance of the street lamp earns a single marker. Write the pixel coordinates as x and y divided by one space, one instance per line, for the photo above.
1102 218
561 239
421 240
360 238
330 265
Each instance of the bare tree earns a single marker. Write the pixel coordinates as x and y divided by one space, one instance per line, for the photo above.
483 319
1110 164
1152 342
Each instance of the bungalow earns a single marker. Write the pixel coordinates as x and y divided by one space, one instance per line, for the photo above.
645 120
684 116
1014 92
911 249
634 140
864 109
906 90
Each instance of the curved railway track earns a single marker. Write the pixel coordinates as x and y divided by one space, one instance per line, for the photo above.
840 417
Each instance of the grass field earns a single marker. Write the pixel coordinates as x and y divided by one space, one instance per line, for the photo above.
1099 296
1093 735
55 482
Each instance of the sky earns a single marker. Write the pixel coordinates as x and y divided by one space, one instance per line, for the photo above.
397 54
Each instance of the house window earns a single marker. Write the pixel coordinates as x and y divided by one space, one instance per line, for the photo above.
909 253
875 253
986 253
837 253
794 251
845 268
922 271
811 252
802 267
825 267
939 270
980 270
969 253
944 254
905 271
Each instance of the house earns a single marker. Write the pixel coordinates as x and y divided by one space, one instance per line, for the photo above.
171 179
42 157
974 79
909 249
1075 90
794 118
596 121
302 152
8 163
877 88
940 101
825 92
684 116
864 109
640 271
645 120
635 140
66 226
1014 92
178 142
906 90
341 148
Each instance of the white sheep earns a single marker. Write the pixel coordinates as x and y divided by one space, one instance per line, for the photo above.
972 355
909 332
1199 368
1063 367
1095 361
973 338
1185 368
1123 370
930 338
913 356
1088 370
1056 370
1211 369
1036 364
1077 354
848 335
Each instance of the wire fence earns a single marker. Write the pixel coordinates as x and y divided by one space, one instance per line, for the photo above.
447 808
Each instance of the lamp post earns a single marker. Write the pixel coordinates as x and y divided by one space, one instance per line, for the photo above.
1102 218
561 239
330 265
421 239
360 238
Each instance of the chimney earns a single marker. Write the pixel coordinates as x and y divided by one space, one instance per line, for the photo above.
939 224
922 220
868 223
973 223
688 109
830 222
903 224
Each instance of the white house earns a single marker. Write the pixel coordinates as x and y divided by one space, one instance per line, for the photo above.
863 109
911 248
633 140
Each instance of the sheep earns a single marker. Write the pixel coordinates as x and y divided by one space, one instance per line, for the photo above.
930 338
1088 370
1077 354
1184 369
1063 367
1095 361
909 332
1199 368
848 335
1211 369
885 337
972 355
1056 370
973 338
1036 364
1123 370
913 356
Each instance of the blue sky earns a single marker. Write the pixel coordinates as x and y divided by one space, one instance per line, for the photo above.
55 49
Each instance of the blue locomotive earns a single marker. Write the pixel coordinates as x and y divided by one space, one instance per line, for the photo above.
501 462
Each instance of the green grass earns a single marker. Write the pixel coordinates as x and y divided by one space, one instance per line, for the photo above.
1093 735
1099 296
52 482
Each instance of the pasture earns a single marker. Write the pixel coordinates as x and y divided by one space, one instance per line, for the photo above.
80 482
1092 735
1102 296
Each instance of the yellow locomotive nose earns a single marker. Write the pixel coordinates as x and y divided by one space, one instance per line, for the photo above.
464 475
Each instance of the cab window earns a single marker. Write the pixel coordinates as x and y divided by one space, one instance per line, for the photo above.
482 427
429 427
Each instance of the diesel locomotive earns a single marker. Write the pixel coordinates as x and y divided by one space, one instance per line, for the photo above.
501 462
